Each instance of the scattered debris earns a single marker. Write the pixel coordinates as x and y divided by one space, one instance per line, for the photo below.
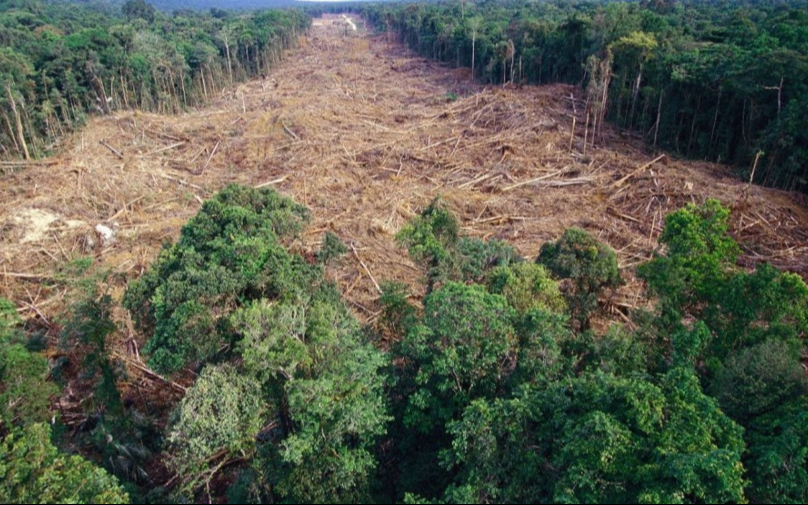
106 234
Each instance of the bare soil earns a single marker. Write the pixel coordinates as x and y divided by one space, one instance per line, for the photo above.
366 134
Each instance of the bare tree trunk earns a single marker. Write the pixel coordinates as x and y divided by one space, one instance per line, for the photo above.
520 68
204 86
473 45
779 94
182 88
715 119
20 133
606 76
693 125
586 129
658 114
229 64
11 133
124 91
634 95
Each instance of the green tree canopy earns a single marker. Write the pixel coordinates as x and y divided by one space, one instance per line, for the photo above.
590 265
32 470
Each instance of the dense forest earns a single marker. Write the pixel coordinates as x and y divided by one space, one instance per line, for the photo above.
500 378
721 81
496 388
60 62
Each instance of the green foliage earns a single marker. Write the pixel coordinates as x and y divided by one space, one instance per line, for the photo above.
759 379
474 258
618 352
752 307
697 278
460 352
681 75
124 437
8 318
598 439
544 340
699 254
590 265
274 343
777 457
332 248
336 417
218 419
229 252
398 315
432 240
324 384
298 396
526 286
90 324
25 392
138 9
33 471
429 236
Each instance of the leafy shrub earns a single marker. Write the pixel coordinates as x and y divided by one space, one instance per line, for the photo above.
429 235
332 248
752 307
398 315
433 240
474 259
296 392
323 383
618 352
590 265
123 437
543 338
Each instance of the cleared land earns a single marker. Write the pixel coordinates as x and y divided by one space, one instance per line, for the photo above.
365 134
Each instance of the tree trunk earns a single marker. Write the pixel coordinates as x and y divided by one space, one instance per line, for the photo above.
204 86
473 44
17 118
693 125
229 63
11 133
715 120
634 95
658 114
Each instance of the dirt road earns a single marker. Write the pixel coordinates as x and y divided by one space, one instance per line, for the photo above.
366 134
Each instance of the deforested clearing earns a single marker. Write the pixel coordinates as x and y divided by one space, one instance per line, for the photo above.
365 134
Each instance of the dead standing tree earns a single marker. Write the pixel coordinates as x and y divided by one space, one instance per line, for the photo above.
597 99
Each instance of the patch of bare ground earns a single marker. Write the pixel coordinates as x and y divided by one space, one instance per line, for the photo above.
365 134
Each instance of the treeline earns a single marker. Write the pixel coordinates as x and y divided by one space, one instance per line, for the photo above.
61 61
721 81
506 383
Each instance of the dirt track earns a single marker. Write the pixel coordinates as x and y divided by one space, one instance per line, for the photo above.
365 134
